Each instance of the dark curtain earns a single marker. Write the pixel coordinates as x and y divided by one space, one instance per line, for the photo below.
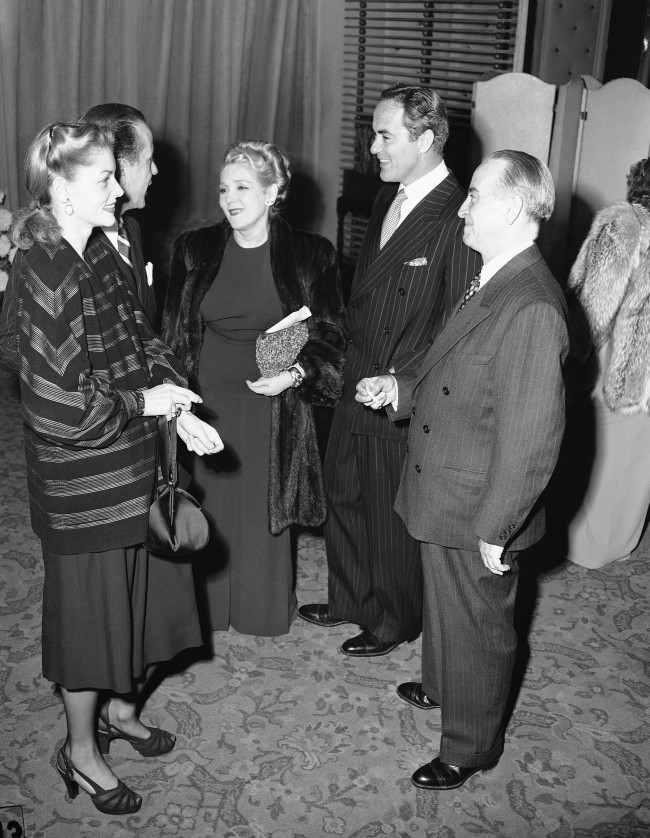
204 73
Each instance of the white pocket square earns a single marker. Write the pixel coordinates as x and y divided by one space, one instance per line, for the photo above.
416 263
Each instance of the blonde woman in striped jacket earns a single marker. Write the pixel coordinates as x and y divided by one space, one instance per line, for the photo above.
93 380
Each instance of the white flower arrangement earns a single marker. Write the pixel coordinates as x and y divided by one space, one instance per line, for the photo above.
7 249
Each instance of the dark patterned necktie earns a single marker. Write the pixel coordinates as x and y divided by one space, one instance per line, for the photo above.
123 244
472 288
391 221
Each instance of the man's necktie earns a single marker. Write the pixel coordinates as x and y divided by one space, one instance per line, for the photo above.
472 288
123 244
391 221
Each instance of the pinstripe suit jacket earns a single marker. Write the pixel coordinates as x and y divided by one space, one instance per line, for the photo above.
401 294
487 409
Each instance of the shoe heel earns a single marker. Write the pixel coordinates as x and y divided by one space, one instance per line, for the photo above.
71 785
104 742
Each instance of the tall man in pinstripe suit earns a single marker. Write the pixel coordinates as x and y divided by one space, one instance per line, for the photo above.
412 270
487 408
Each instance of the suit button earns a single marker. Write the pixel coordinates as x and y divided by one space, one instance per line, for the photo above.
445 390
386 330
401 292
418 469
350 341
375 367
425 428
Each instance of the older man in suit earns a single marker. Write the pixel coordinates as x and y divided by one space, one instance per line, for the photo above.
412 269
487 408
133 150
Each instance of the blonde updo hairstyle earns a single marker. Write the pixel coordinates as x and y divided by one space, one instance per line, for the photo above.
58 150
267 161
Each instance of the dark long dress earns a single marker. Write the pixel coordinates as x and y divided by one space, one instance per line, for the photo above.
246 573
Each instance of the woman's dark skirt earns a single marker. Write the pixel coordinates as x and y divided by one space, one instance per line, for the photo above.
108 616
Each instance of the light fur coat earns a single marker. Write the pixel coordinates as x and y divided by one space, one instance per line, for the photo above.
609 300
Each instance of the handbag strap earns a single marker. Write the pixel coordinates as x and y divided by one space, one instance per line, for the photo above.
167 440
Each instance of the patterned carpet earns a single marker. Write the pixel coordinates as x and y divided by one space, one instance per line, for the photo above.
288 738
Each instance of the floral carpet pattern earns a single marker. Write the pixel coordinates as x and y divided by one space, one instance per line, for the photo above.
287 738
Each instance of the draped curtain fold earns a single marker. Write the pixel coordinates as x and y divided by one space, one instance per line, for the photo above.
204 73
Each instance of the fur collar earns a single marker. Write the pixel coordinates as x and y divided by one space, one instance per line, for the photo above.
610 283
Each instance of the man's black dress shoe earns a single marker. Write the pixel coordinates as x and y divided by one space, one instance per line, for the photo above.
366 645
412 692
318 613
439 776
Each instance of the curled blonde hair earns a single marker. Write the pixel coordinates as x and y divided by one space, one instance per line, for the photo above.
268 162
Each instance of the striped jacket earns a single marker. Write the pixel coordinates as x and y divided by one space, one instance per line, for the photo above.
84 347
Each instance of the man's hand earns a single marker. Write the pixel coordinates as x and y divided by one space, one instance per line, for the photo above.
491 555
199 437
377 392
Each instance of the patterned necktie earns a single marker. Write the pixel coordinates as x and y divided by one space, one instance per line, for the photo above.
472 288
123 244
391 221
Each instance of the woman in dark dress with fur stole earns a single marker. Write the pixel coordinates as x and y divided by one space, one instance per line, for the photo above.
93 380
230 282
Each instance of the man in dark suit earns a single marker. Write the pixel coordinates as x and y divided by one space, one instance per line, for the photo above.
412 269
487 408
133 150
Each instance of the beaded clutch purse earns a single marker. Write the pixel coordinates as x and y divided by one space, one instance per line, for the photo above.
276 349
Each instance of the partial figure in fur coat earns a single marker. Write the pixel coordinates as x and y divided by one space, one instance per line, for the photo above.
228 283
607 445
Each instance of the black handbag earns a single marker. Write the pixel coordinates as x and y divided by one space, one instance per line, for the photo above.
177 526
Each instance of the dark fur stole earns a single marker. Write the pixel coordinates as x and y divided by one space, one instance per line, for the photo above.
305 271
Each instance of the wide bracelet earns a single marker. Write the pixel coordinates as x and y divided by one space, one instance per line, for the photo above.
296 376
139 398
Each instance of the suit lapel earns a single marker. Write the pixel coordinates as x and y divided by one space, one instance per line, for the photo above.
478 310
370 245
146 293
418 227
124 269
137 256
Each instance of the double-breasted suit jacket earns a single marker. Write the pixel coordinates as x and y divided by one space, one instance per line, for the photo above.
399 297
487 419
488 416
402 294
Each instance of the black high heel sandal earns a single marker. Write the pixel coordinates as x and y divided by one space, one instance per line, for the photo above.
118 801
157 744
